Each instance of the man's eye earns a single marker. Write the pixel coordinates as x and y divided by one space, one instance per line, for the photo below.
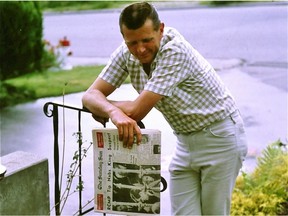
133 43
147 40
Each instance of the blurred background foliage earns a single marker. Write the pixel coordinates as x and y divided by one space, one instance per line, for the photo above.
21 47
79 5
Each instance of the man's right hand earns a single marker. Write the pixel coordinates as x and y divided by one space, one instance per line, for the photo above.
127 128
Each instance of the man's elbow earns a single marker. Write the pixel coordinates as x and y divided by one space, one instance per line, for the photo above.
85 100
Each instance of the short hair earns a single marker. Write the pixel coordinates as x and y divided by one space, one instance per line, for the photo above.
135 15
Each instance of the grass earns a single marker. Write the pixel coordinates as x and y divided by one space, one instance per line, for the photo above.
50 83
47 84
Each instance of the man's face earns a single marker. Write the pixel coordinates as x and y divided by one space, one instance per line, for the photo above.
143 42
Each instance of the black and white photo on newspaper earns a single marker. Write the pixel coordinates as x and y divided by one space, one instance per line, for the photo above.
127 180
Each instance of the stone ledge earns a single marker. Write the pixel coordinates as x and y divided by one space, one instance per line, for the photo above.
25 188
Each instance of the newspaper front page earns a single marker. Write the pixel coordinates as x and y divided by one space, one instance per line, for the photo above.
127 181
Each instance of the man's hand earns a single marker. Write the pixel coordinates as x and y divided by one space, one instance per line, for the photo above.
127 128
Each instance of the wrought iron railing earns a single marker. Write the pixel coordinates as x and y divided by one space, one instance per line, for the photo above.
53 111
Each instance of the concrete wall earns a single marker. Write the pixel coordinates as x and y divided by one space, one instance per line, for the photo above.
25 188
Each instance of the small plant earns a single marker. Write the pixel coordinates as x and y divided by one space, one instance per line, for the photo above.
49 58
73 172
265 191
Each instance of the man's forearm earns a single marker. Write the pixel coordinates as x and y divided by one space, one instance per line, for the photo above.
125 106
130 108
98 104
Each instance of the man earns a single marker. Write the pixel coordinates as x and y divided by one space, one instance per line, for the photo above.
173 77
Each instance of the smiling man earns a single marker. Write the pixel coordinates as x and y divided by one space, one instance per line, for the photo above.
170 75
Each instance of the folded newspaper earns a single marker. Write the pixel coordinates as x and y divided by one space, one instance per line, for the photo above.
127 181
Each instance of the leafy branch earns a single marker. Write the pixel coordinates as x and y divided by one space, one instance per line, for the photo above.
72 173
264 192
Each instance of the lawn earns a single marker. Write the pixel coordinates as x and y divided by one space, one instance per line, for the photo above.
47 84
52 83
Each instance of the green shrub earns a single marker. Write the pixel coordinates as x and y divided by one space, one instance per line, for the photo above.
265 191
78 5
220 3
21 45
10 94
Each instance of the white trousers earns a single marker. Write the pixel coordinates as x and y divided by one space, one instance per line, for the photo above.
204 168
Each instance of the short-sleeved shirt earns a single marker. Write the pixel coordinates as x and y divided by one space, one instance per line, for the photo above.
194 95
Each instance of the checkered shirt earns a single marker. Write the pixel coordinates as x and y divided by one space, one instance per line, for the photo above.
194 95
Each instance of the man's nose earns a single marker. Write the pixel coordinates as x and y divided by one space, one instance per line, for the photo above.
141 48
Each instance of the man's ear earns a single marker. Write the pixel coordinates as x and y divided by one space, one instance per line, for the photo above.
161 27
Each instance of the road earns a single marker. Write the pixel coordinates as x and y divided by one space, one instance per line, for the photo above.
255 34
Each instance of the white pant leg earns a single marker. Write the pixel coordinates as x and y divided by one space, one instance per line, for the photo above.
185 186
211 159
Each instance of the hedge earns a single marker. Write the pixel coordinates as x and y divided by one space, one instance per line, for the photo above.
21 46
